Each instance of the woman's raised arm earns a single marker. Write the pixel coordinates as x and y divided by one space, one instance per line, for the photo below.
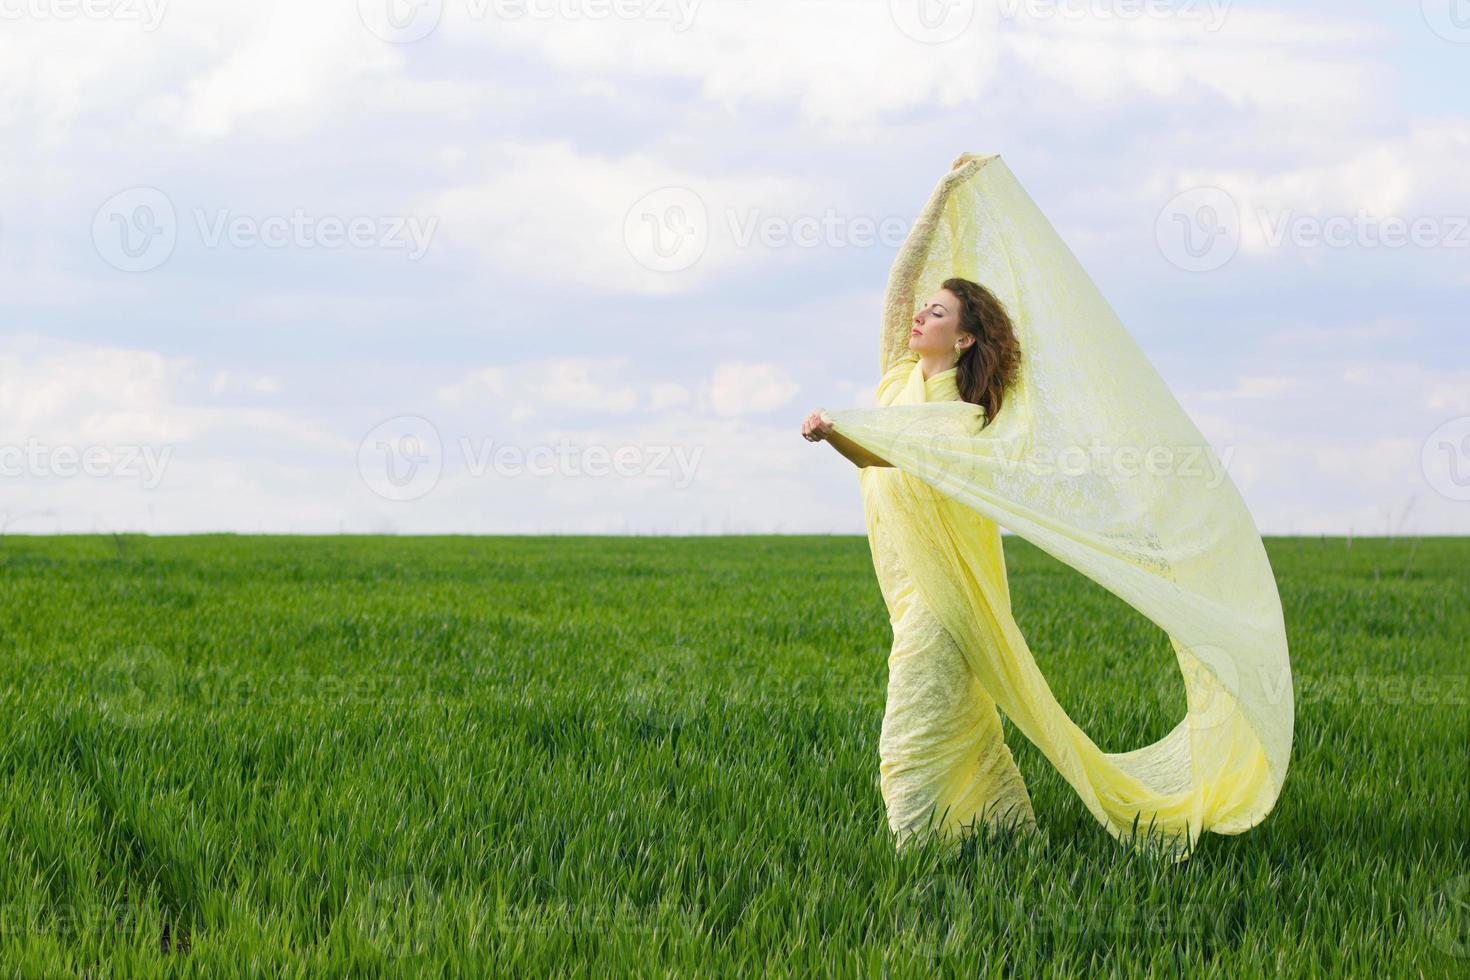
903 280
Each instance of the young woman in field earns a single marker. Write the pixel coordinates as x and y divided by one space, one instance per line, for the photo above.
942 756
1011 395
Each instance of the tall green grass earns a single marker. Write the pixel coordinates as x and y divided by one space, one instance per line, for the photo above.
333 756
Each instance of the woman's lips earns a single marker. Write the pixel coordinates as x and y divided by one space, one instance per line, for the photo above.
916 332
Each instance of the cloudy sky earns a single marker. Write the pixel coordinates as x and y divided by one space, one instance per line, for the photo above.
583 266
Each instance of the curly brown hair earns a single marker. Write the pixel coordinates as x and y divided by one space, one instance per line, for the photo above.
988 368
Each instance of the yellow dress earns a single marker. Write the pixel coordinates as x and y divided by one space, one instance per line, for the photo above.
944 763
1093 460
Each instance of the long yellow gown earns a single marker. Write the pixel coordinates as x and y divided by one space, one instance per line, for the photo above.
1093 460
944 763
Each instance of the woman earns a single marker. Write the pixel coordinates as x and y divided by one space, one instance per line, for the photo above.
1081 448
944 764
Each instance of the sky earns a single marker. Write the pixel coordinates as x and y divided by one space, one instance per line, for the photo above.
583 266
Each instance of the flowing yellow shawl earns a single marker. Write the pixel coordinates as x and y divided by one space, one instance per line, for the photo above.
1093 460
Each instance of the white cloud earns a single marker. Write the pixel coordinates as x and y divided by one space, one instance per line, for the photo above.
76 394
558 386
96 437
738 388
1252 59
665 394
1335 438
575 390
843 63
549 214
291 63
1251 387
247 382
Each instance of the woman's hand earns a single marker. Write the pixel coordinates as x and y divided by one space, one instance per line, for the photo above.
814 429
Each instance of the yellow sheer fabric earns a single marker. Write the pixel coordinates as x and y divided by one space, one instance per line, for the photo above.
1093 460
944 762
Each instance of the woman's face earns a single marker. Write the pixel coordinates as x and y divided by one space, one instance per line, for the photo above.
936 328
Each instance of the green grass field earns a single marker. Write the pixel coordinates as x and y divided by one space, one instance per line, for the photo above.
330 756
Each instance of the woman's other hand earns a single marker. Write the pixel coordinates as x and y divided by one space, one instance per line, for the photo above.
814 429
